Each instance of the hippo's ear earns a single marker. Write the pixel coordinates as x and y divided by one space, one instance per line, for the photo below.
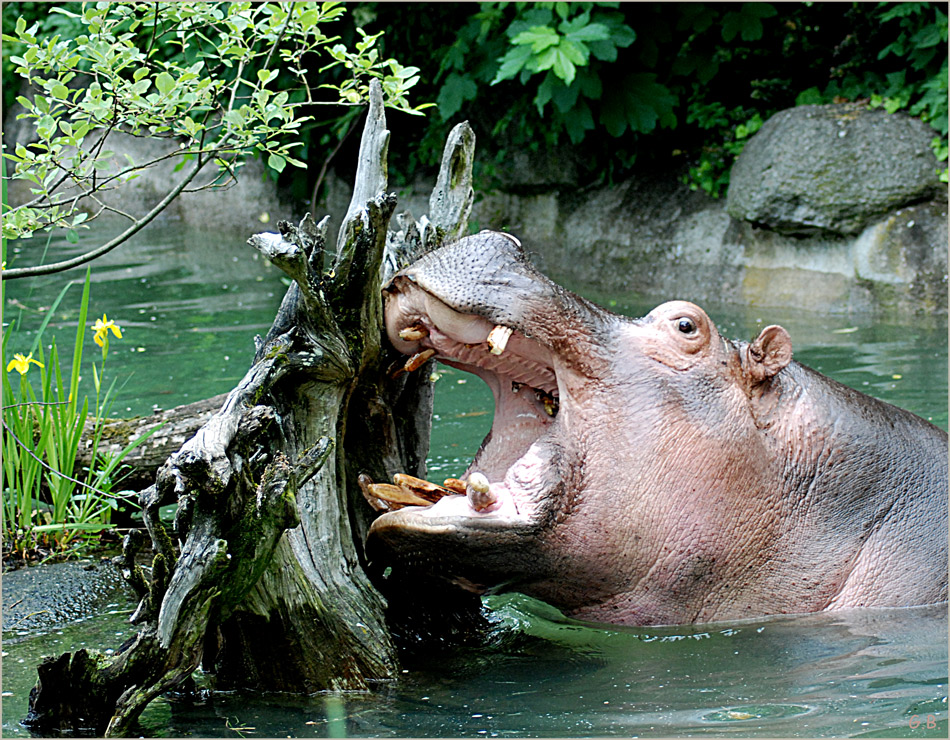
769 353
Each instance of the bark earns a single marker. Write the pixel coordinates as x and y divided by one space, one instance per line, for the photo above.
262 579
176 426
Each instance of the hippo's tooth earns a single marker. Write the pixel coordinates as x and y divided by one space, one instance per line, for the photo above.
429 492
418 360
396 496
479 492
413 333
454 484
464 328
368 487
498 339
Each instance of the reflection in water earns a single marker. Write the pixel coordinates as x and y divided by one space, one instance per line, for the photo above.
849 673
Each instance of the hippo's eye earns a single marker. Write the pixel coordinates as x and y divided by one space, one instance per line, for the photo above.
686 325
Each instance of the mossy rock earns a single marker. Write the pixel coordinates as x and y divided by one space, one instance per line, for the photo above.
832 168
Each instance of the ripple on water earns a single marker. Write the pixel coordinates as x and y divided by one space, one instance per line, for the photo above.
745 713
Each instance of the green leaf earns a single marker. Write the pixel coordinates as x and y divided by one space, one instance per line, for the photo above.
639 103
512 63
165 83
235 118
565 96
544 60
902 10
746 21
277 162
563 67
545 90
538 37
927 36
593 32
576 53
454 92
811 96
578 121
140 87
59 91
605 51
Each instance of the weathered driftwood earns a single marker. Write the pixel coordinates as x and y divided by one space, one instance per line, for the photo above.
176 426
262 579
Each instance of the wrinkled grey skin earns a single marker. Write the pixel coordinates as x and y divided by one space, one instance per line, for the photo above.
684 478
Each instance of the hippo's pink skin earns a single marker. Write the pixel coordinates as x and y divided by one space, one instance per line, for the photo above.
684 477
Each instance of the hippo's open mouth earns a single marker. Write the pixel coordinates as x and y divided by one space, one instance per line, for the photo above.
506 483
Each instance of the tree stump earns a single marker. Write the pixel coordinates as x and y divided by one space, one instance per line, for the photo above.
263 579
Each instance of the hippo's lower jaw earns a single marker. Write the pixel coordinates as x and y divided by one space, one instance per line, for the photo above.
508 487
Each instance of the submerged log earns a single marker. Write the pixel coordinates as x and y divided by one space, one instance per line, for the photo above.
262 579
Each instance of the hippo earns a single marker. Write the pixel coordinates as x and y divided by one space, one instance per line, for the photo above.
648 471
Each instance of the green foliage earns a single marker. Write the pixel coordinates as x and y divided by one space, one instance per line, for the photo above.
557 51
917 53
45 506
224 80
674 85
746 22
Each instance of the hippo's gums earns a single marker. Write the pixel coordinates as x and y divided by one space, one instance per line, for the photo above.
649 471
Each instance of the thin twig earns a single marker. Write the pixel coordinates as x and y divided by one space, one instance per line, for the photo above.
280 36
35 403
148 51
19 272
24 617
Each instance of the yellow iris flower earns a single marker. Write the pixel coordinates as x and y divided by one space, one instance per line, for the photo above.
102 328
21 364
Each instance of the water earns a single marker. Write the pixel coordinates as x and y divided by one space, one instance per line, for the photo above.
865 673
188 303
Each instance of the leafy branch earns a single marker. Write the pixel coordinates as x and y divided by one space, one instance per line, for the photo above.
205 76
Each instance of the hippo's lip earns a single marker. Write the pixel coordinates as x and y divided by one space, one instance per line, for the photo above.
515 457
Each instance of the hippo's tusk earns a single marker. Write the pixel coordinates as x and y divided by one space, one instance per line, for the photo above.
454 484
429 492
479 492
413 333
418 360
498 339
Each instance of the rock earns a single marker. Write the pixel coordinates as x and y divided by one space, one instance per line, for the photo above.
527 171
832 167
45 597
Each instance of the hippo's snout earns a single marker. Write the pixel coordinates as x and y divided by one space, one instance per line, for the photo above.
501 485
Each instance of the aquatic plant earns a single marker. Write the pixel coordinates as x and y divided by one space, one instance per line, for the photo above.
47 504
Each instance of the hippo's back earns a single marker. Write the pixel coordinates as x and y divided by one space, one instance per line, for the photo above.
880 479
